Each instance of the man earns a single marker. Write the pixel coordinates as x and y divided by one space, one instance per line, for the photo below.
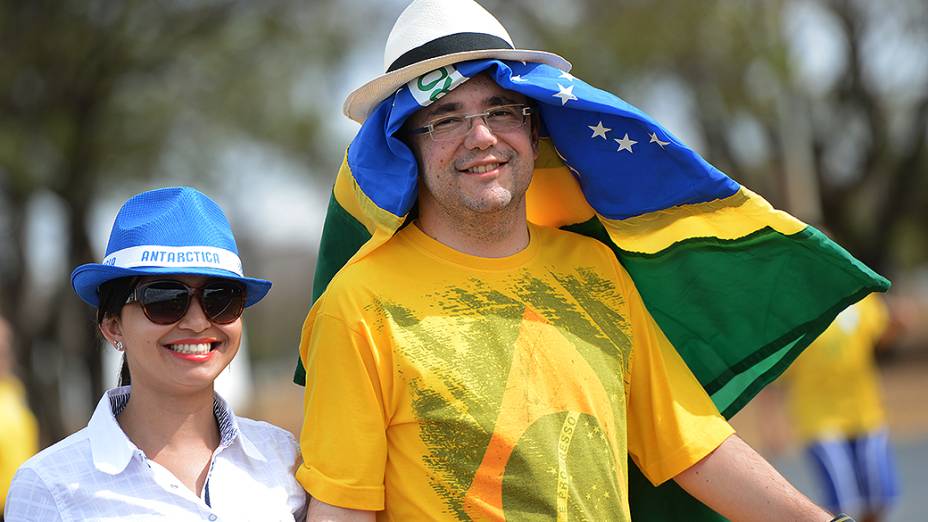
468 364
834 398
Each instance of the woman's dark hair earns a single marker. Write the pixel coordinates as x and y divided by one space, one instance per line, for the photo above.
113 295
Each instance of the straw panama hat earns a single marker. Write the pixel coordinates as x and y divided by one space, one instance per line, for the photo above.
430 34
168 231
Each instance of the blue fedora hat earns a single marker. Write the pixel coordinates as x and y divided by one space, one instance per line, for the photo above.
177 231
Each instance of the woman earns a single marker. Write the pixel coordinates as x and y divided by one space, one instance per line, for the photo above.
169 294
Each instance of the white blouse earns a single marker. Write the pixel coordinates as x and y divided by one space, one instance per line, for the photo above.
99 474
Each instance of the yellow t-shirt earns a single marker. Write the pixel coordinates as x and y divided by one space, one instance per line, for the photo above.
19 435
446 386
833 389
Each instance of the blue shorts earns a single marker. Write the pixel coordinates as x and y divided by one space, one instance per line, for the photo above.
856 475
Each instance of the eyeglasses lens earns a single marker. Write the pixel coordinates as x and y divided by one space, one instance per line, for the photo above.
498 119
166 302
223 302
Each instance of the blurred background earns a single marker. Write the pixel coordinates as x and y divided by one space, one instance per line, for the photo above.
821 106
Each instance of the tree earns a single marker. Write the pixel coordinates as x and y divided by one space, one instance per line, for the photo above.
96 96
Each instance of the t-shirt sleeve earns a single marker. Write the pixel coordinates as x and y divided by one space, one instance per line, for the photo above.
672 422
343 440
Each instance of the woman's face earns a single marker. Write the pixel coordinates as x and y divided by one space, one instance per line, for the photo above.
177 358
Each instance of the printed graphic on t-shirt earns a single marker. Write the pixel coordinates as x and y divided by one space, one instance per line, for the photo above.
519 389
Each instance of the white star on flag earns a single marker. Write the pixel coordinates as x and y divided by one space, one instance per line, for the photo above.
659 142
599 130
565 74
566 94
517 78
625 144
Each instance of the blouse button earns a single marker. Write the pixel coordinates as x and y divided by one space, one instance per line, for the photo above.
213 517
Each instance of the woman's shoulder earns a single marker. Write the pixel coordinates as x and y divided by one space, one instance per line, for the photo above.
72 452
260 432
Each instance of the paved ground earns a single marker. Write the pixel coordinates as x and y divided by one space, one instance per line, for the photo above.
912 458
905 389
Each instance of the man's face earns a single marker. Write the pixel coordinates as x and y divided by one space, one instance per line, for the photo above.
481 172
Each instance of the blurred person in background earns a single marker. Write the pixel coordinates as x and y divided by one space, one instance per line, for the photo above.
169 294
834 400
19 437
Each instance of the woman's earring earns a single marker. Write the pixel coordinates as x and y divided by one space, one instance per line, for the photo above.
119 346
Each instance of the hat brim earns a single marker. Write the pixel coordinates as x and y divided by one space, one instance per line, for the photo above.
362 100
86 279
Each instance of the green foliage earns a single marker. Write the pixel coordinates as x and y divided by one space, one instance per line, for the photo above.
104 98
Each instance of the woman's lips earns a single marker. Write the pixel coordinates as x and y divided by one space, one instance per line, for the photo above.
193 350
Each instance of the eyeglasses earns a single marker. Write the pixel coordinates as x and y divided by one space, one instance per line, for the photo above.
166 301
499 119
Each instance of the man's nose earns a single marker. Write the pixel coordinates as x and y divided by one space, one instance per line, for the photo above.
479 135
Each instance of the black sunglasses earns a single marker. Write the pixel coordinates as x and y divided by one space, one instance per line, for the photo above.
165 301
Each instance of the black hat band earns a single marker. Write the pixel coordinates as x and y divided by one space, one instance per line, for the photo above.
453 43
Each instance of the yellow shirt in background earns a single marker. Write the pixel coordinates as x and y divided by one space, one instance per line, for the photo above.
833 388
446 386
19 437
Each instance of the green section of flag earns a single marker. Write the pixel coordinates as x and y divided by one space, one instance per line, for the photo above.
342 236
740 311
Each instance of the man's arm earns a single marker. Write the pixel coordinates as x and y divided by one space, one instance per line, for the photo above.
739 484
319 511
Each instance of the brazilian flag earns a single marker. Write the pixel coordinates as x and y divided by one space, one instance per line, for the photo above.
739 288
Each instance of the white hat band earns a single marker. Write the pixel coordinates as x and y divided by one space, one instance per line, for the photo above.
175 257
